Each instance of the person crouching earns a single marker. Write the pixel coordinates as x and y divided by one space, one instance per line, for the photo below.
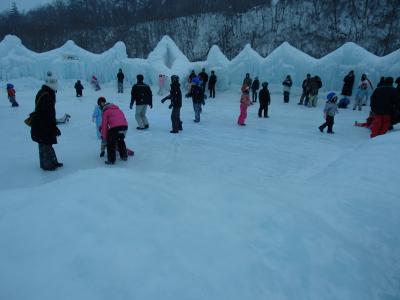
113 130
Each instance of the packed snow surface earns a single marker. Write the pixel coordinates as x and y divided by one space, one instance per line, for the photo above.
272 210
72 62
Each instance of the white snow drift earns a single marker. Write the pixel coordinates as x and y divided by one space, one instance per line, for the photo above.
73 62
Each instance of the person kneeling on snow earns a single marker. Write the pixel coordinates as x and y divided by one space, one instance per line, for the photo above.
330 111
113 130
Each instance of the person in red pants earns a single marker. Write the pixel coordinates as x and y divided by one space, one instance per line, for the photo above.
383 101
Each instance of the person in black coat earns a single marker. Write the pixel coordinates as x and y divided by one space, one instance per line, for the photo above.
204 79
383 102
305 95
175 95
211 84
43 128
196 92
265 100
348 84
120 80
142 95
255 86
78 88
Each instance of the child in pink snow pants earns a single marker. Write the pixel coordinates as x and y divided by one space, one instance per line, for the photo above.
244 103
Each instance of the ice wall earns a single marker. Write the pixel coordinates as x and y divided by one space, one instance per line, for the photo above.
72 62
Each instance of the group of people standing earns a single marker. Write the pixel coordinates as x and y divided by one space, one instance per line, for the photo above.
111 123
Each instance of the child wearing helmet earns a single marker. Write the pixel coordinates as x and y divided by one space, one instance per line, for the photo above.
330 111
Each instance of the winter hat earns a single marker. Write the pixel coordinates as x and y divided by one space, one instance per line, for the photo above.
10 86
331 96
264 84
100 100
245 88
140 78
51 81
196 80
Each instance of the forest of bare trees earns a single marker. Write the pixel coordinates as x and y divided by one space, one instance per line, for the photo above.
314 26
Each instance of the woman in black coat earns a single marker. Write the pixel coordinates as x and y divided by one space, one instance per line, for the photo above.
347 89
43 129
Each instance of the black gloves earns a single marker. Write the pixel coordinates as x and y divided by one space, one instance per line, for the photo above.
130 106
58 132
170 106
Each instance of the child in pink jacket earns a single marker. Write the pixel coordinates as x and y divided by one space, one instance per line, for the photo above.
113 130
244 104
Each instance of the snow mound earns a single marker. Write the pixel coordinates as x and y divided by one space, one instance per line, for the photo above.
72 62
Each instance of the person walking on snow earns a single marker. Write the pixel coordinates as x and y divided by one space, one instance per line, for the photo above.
196 92
305 95
96 116
315 85
265 100
11 95
78 88
255 86
175 95
120 81
113 129
362 92
330 111
211 84
204 79
287 84
44 130
244 104
142 95
247 80
347 90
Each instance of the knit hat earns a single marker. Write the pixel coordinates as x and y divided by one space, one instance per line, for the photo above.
10 86
264 84
51 81
330 96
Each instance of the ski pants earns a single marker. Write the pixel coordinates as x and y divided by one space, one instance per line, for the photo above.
305 96
286 97
197 111
120 87
254 95
47 157
313 101
261 109
328 123
212 91
243 114
116 138
140 115
176 119
380 125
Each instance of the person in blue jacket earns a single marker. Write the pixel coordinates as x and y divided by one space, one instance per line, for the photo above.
96 117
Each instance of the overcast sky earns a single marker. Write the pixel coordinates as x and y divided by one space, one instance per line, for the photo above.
21 4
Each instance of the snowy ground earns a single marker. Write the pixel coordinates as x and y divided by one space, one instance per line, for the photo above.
273 210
